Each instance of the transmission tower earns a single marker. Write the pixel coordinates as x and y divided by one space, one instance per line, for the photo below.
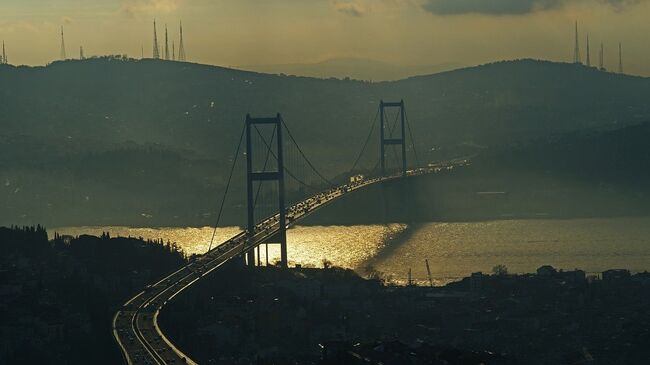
3 59
62 55
588 55
156 51
166 44
576 51
81 53
601 60
620 58
181 47
173 51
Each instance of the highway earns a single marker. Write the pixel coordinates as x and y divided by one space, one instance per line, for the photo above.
135 325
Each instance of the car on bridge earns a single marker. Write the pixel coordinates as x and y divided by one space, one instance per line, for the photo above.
357 179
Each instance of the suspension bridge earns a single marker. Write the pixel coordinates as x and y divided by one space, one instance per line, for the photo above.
283 187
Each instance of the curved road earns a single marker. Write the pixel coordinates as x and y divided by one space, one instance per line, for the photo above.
135 325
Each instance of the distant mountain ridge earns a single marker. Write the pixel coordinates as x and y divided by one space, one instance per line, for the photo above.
187 105
354 68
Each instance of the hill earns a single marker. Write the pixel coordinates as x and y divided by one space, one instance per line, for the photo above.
573 175
198 107
82 141
618 157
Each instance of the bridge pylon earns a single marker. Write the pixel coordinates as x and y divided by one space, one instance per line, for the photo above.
278 175
391 141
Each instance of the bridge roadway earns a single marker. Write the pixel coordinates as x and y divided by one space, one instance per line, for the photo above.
135 325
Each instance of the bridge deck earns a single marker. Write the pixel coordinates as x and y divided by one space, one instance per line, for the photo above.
135 326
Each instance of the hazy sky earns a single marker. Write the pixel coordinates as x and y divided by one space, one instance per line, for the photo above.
248 32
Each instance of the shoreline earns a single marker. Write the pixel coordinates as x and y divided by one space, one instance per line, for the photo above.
309 223
339 244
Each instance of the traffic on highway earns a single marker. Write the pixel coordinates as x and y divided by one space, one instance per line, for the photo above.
135 325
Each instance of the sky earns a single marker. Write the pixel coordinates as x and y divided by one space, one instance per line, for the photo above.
262 32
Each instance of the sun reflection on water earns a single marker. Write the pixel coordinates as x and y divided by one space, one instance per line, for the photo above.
346 246
453 250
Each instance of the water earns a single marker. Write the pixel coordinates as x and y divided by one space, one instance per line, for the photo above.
454 250
347 246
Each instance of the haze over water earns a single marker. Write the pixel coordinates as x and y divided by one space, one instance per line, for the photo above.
454 250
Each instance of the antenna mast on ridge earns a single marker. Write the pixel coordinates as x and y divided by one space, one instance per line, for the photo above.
62 55
588 55
166 44
602 57
576 51
181 47
620 58
156 51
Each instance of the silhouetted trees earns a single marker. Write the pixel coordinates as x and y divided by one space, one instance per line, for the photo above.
59 295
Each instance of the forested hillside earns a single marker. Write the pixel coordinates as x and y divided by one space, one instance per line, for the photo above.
82 140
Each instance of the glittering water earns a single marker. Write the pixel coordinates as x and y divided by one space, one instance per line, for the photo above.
191 240
347 246
454 250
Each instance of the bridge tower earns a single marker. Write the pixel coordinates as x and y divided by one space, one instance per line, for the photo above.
392 141
278 175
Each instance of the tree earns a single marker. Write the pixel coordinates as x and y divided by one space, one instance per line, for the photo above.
500 270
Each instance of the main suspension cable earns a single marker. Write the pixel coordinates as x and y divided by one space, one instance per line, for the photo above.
415 152
305 157
365 144
225 193
286 169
